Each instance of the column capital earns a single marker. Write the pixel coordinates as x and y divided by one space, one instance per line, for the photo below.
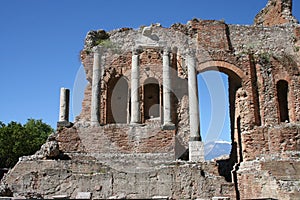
97 49
166 51
136 50
191 52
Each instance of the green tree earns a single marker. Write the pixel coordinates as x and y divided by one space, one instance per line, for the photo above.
18 140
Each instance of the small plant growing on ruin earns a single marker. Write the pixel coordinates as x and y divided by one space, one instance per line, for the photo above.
265 57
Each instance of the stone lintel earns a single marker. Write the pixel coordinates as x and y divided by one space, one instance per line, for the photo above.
142 46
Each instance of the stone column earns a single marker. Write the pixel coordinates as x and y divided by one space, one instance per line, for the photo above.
96 86
196 148
135 82
167 91
64 105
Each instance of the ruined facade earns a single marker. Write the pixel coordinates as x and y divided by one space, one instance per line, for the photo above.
138 133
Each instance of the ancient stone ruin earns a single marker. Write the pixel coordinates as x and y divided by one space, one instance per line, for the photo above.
138 134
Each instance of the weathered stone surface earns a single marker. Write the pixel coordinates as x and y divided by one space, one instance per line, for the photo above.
272 179
276 12
275 141
84 195
94 38
71 177
64 105
49 150
143 160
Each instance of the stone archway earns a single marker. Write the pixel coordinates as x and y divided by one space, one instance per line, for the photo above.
282 89
236 79
117 100
151 98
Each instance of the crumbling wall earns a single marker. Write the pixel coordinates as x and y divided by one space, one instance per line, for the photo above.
116 138
276 12
269 179
137 161
47 178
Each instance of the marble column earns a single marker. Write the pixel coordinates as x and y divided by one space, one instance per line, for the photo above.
135 82
167 114
96 86
196 148
64 105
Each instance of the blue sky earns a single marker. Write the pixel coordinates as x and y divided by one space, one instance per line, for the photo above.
41 39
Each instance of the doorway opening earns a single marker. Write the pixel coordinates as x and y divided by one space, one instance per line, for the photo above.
217 89
151 99
282 97
117 100
213 96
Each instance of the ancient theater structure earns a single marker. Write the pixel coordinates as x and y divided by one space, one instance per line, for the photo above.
138 133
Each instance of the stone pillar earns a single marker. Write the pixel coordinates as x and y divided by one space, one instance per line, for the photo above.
96 86
64 105
135 82
196 148
167 91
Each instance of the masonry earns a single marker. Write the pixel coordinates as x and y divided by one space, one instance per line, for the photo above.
138 134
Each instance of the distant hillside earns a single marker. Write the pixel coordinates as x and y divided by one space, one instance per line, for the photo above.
216 149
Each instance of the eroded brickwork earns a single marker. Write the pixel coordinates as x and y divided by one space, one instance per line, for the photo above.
121 159
275 13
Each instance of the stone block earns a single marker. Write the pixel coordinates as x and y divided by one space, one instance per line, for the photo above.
61 196
161 197
83 195
5 198
220 198
196 151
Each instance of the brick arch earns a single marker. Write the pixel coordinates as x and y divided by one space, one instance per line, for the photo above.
119 66
290 98
144 75
222 66
285 76
237 81
282 93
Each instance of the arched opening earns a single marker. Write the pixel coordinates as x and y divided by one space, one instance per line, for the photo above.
117 100
282 97
151 99
219 119
213 93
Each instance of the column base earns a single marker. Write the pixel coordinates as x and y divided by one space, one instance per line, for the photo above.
196 151
134 124
64 124
168 126
95 123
